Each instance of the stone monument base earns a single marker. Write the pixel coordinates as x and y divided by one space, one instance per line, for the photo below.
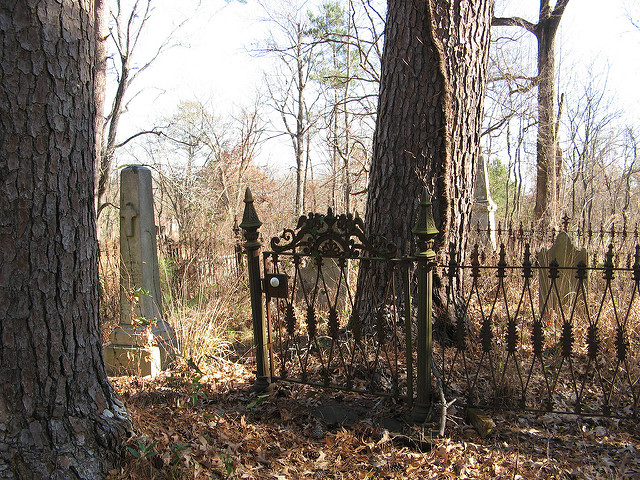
129 360
132 352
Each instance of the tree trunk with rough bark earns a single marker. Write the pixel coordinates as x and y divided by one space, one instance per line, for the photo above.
546 181
59 416
429 117
100 77
428 129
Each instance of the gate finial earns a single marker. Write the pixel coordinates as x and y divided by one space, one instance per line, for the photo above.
250 221
425 226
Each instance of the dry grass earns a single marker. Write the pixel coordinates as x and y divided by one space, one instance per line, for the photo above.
108 268
203 327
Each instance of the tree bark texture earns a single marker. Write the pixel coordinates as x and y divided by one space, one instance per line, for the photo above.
549 164
429 116
59 417
427 132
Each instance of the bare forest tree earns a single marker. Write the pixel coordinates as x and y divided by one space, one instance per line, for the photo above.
202 161
59 415
326 82
549 164
508 123
289 87
601 158
250 129
129 24
348 75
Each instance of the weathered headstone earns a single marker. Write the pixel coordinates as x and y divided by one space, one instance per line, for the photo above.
566 255
143 341
327 284
483 212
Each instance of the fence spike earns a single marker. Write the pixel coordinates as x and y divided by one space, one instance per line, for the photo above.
526 264
502 263
608 264
566 339
475 262
621 343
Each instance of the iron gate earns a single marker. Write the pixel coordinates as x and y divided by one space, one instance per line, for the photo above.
311 326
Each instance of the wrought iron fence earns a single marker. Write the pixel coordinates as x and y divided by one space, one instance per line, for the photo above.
596 239
316 333
193 262
571 350
497 343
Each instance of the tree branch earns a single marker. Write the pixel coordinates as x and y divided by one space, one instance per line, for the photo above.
514 22
159 133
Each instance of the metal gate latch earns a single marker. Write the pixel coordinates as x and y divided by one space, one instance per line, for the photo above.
276 285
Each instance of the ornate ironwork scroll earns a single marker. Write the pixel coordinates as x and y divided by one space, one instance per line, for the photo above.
328 235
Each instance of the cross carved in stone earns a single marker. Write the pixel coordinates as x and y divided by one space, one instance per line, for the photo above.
128 213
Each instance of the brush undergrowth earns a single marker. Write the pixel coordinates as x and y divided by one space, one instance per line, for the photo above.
203 318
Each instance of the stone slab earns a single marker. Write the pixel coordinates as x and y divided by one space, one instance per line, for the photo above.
567 255
130 360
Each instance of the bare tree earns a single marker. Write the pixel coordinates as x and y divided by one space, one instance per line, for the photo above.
510 118
195 139
289 87
210 157
250 129
601 156
348 75
130 22
548 166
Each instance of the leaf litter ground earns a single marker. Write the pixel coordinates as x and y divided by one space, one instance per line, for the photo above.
213 426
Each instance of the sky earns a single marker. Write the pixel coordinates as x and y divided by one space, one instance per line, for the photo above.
215 62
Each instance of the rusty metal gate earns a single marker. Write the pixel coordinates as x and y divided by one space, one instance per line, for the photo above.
309 326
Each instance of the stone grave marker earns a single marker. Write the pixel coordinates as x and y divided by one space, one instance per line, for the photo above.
567 255
143 341
331 273
484 208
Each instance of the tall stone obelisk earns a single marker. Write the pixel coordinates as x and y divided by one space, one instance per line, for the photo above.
143 342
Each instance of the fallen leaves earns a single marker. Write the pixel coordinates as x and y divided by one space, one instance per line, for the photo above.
235 434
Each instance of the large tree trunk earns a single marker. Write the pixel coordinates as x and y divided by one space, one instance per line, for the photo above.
427 131
547 195
59 417
429 116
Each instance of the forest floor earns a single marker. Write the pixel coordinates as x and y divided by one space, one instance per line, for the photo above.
209 424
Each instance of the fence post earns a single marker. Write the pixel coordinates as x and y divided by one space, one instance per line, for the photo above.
250 224
425 231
